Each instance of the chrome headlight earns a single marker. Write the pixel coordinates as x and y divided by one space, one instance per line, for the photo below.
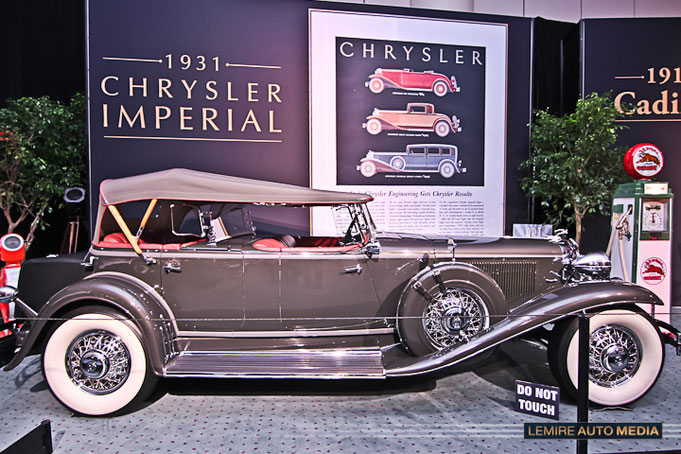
592 266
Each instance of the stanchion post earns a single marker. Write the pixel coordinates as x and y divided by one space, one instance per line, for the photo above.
583 378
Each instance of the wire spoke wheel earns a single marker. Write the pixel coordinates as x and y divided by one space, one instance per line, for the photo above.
626 355
454 316
98 362
614 355
95 364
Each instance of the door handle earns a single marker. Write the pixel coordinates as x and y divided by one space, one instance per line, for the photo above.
357 269
172 266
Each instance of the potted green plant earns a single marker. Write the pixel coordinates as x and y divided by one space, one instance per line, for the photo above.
575 165
43 151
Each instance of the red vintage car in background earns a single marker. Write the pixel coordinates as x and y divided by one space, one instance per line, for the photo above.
406 79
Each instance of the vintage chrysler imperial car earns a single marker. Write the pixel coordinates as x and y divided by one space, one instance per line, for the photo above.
428 158
417 117
406 79
181 282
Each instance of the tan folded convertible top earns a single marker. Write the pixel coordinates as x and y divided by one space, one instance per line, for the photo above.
185 184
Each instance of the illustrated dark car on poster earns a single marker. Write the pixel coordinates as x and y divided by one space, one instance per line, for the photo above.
417 117
406 79
424 158
192 274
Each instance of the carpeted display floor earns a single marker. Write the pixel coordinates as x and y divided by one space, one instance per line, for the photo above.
467 412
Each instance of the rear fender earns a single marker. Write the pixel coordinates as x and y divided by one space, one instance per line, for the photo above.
135 299
546 308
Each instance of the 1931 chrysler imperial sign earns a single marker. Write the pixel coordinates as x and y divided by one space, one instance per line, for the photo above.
179 283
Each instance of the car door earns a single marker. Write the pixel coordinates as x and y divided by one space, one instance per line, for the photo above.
433 158
416 160
326 290
203 286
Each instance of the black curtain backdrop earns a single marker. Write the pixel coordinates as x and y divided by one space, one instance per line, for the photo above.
555 74
43 48
555 86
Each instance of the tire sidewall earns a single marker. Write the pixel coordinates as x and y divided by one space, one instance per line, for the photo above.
368 169
62 386
443 92
442 128
444 166
376 85
652 356
374 126
412 306
398 163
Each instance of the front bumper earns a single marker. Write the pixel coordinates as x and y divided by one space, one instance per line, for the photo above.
670 335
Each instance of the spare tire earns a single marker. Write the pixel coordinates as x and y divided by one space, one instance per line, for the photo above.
447 305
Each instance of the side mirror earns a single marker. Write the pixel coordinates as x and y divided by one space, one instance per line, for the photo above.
372 249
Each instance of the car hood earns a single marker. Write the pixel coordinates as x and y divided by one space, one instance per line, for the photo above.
467 248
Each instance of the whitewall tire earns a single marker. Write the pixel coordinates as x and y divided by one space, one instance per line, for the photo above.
440 88
442 128
95 364
374 126
626 355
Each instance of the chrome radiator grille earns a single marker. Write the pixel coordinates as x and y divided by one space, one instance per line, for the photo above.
515 277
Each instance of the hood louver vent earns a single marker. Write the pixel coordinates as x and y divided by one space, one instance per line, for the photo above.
515 277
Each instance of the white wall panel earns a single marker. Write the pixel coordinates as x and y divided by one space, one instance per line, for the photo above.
447 5
607 8
503 7
389 2
658 8
563 10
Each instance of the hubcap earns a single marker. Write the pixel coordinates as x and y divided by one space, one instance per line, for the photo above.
98 362
94 364
454 316
614 355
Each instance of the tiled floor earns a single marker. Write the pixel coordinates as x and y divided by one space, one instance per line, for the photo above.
467 412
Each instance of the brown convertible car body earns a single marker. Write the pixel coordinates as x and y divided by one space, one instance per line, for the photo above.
242 304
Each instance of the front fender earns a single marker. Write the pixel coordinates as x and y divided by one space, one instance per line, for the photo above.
545 308
132 297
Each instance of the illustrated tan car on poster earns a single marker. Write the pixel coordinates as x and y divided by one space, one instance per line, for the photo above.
423 158
417 117
406 79
189 275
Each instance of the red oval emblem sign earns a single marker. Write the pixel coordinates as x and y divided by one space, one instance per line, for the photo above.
653 271
643 161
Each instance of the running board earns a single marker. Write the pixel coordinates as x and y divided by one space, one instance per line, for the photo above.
365 363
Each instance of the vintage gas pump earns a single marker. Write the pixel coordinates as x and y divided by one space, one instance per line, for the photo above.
642 227
12 252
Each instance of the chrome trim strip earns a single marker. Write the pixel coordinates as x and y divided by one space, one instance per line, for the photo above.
299 363
288 375
142 284
458 255
292 333
123 253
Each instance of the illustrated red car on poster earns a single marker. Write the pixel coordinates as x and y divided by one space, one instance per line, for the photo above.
406 79
417 117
